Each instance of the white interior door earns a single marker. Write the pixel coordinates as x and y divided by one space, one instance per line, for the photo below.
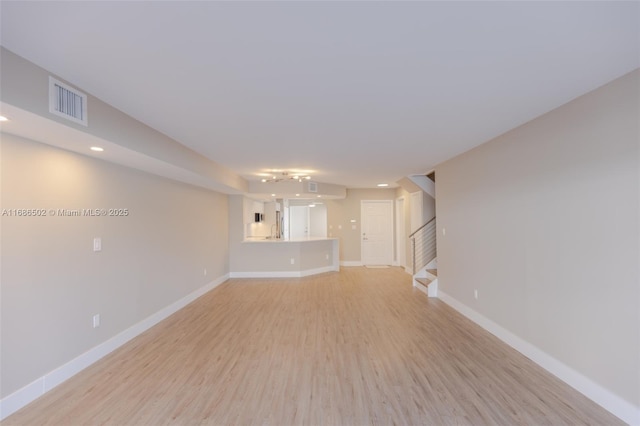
377 232
298 222
401 247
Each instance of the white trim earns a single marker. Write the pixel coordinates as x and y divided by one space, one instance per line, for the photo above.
270 274
283 274
351 263
317 271
597 393
13 402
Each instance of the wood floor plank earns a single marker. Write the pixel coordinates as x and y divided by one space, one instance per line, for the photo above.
357 347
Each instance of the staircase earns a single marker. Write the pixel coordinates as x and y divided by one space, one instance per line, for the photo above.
424 257
425 183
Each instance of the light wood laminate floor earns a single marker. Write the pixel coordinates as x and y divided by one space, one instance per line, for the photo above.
357 347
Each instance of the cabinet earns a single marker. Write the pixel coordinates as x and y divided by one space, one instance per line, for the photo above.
258 207
250 208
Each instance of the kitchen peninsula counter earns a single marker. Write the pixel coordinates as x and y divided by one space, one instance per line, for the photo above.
285 240
263 257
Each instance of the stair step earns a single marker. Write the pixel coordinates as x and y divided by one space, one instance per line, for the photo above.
424 281
433 272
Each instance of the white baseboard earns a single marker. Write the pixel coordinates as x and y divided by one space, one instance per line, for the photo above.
320 270
597 393
13 402
351 263
283 274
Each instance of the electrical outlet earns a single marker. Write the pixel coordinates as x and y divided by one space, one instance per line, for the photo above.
293 261
97 244
205 272
475 293
96 321
327 256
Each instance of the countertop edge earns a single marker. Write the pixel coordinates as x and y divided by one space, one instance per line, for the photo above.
280 241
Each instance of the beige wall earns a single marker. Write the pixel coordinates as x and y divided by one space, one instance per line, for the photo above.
544 222
25 85
52 283
339 215
402 235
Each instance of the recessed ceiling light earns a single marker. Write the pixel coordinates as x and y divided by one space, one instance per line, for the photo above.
273 195
382 185
297 195
319 196
96 149
3 118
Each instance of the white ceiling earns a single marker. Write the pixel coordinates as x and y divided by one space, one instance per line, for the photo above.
359 92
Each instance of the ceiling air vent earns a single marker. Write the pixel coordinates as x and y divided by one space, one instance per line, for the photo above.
313 187
68 102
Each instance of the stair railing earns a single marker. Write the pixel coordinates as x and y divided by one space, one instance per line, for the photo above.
423 245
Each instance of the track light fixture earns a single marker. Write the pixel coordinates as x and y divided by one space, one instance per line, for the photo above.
287 177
